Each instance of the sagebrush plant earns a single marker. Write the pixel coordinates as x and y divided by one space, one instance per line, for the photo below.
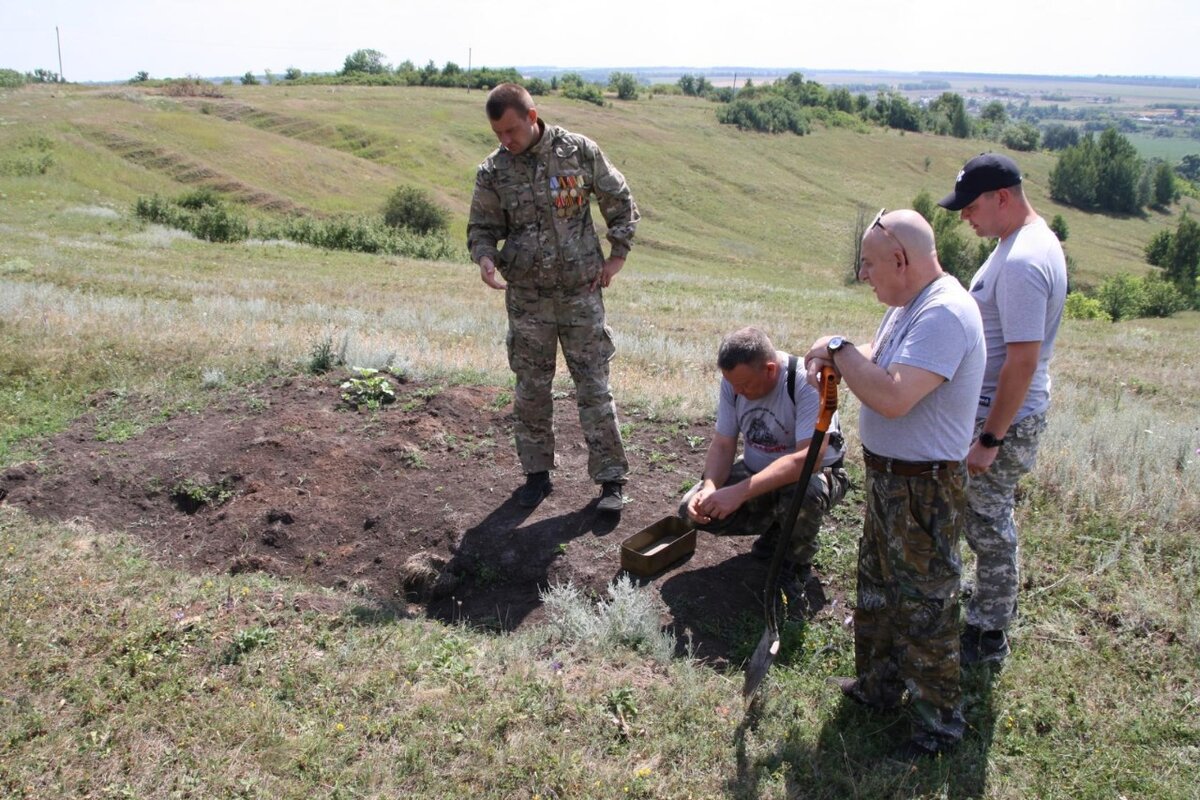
630 617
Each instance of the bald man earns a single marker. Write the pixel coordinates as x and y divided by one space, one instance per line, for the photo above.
918 381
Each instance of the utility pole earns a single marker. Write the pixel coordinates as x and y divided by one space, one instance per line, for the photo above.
468 70
58 39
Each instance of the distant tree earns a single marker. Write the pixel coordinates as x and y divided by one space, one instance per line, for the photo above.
1059 226
770 113
141 77
428 74
1189 168
536 86
248 79
687 84
994 114
410 208
1022 137
1183 260
951 105
625 84
1059 137
368 61
11 79
292 74
43 76
1117 171
1164 185
704 87
1161 298
1158 249
1121 296
1073 177
955 253
451 69
405 67
568 79
893 110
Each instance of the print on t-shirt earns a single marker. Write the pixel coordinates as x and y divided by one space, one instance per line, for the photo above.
765 432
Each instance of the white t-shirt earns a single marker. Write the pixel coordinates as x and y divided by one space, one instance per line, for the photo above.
772 425
1020 290
939 331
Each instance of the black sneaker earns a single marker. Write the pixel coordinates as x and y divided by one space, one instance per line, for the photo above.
803 591
978 646
913 750
537 485
849 687
612 499
763 547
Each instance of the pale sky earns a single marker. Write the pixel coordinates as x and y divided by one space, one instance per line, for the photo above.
115 39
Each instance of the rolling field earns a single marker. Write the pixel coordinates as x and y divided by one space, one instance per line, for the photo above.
124 676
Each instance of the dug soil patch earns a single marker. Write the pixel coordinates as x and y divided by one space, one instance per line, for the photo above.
411 507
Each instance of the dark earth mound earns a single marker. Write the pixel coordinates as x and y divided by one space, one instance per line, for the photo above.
411 507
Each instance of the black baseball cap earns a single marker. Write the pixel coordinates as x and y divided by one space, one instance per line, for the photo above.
986 172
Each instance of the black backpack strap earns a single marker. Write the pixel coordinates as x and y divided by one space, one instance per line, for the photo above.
792 361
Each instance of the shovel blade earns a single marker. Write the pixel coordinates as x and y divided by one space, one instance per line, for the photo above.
760 662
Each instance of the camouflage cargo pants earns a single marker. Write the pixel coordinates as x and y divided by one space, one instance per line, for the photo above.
759 515
538 321
906 618
991 529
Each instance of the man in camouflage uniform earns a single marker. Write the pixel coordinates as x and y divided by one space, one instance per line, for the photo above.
533 194
1020 290
762 401
918 381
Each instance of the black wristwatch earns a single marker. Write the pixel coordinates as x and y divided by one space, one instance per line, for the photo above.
836 344
988 440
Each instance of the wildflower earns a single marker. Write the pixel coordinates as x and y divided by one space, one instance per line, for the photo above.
339 727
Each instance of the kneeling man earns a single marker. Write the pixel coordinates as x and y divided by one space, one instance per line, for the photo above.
763 401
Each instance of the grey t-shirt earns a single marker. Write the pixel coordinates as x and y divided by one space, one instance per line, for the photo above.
1020 290
770 426
939 331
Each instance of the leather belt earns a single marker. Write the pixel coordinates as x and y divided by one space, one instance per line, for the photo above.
907 469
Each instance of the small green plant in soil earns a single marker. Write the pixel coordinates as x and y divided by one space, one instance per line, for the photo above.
369 389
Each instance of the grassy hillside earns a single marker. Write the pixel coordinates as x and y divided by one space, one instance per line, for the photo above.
106 695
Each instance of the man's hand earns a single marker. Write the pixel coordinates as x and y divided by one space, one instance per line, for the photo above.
487 271
816 358
609 271
724 501
980 458
695 505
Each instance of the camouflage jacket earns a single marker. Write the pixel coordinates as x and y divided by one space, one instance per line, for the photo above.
538 203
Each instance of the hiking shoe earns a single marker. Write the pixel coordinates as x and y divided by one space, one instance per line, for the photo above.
803 591
978 646
763 547
849 687
537 485
914 750
612 499
852 690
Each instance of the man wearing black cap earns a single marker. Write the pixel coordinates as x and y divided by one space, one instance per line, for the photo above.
1020 291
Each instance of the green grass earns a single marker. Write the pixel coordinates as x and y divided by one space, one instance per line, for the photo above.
124 678
1171 149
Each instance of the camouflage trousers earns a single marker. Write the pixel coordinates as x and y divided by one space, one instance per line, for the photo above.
768 512
991 530
538 321
906 618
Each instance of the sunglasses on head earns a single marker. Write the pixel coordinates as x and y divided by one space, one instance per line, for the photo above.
878 223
